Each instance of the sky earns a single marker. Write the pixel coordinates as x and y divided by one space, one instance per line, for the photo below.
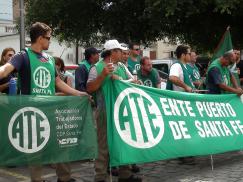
6 10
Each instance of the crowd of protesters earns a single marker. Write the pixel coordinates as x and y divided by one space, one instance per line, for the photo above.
115 61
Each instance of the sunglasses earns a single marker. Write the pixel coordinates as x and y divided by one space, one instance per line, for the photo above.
136 49
10 55
47 38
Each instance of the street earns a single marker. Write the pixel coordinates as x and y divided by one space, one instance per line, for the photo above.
226 168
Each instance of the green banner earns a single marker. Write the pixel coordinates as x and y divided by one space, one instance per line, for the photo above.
147 124
46 129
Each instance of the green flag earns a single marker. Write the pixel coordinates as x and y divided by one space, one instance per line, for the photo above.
224 46
147 124
46 129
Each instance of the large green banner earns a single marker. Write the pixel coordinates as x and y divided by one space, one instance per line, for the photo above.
147 124
46 129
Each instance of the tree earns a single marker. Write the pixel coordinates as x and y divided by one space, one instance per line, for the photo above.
199 23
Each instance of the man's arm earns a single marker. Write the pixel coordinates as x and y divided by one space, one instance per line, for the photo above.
237 91
158 79
63 87
5 70
3 86
94 85
176 81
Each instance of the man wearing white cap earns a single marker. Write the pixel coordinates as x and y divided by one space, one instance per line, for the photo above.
107 68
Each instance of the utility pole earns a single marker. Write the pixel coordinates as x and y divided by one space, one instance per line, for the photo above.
22 28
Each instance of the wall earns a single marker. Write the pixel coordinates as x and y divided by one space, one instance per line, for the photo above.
55 49
164 49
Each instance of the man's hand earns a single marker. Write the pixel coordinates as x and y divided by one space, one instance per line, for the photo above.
239 91
109 68
188 89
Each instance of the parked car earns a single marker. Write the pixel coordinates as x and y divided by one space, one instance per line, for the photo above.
163 68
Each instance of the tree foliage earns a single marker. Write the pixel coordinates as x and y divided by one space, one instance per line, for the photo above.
199 23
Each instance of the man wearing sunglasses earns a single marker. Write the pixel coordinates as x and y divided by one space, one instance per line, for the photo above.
36 70
134 58
179 78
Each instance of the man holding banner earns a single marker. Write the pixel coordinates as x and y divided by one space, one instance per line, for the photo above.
147 75
179 78
194 71
99 76
37 76
219 79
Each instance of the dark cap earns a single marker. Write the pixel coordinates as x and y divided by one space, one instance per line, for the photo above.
91 50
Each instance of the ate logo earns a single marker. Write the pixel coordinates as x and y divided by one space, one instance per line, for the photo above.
29 130
137 67
138 119
148 83
42 77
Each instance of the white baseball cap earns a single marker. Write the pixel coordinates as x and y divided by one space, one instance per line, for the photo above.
113 44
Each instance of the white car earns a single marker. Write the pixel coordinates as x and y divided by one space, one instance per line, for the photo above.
163 68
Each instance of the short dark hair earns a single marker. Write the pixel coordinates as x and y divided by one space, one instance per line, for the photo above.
228 55
181 49
38 29
89 52
105 53
143 59
132 44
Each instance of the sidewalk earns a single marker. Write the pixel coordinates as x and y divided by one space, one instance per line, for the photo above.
228 167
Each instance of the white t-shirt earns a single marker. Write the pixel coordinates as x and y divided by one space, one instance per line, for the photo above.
176 70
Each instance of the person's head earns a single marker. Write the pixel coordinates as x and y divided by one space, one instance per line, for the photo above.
134 49
91 54
228 59
113 50
7 54
183 53
59 65
193 57
125 53
40 34
146 64
237 56
125 56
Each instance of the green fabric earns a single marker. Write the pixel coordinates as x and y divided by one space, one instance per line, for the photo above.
42 74
224 46
133 65
194 74
146 124
46 130
187 79
121 71
86 64
224 71
150 80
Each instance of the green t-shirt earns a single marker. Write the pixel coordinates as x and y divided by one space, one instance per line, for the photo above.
150 80
42 74
224 71
133 65
193 72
